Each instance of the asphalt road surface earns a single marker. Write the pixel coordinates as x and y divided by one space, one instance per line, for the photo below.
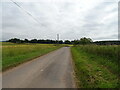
53 70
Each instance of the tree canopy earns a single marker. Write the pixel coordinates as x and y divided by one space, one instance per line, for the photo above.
82 41
85 40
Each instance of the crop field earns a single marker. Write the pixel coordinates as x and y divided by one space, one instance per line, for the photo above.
14 54
97 66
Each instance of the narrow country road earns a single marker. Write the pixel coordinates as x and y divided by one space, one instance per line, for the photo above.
53 70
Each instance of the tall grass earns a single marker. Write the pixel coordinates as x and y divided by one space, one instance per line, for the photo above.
110 51
16 54
96 66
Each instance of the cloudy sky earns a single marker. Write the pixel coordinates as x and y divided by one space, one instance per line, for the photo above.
72 19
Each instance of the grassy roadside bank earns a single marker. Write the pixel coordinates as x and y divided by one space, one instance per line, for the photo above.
93 70
13 55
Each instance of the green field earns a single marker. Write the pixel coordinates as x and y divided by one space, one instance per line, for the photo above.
96 66
14 54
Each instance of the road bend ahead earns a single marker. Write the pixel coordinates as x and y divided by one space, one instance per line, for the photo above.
53 70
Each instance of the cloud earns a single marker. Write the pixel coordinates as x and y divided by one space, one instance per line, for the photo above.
71 19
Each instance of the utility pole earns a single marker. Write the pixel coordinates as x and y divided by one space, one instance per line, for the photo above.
58 38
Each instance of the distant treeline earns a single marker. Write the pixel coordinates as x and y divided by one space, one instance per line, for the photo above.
107 42
82 41
16 40
42 41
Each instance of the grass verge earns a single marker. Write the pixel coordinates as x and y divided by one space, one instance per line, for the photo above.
94 71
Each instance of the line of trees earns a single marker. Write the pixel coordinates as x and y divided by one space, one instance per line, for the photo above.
42 41
117 42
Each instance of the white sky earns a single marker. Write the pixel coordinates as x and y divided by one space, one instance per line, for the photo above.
72 19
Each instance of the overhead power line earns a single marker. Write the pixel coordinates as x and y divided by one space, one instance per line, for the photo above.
26 11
